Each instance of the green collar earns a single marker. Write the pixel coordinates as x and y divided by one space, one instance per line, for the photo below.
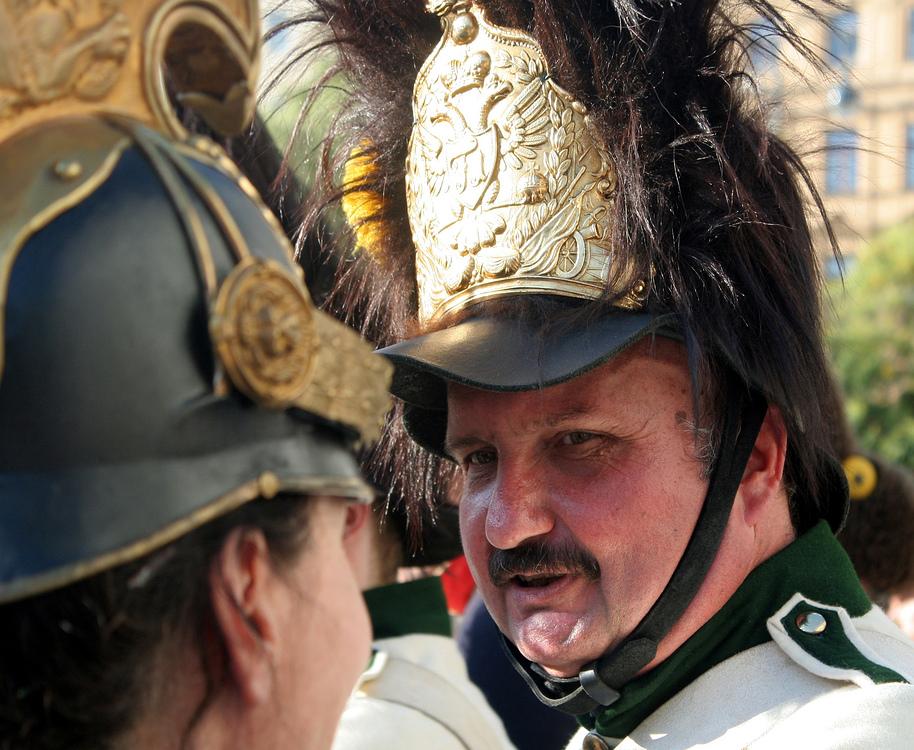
405 608
814 565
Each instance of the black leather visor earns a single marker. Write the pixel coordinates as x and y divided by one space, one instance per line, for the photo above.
503 354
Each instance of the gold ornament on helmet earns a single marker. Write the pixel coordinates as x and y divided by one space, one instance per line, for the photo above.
509 188
113 56
80 83
280 351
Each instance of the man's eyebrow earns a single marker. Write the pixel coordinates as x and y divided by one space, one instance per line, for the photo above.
559 418
450 446
556 419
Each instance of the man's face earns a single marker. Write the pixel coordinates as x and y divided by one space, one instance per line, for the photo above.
578 500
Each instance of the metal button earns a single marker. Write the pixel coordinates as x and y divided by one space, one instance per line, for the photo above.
68 170
593 741
811 622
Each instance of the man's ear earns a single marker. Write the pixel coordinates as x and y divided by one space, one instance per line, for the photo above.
761 483
243 590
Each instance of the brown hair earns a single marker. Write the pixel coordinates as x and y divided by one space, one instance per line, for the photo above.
76 662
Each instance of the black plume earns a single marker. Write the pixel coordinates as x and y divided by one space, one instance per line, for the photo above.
710 205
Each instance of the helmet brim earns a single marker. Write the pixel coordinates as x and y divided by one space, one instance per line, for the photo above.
509 355
506 355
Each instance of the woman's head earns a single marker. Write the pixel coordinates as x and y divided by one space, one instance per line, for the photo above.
248 630
177 418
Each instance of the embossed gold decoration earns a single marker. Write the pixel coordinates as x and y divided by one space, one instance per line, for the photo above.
862 476
105 56
263 329
509 189
280 351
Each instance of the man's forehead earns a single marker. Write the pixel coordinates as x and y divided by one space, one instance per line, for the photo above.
646 366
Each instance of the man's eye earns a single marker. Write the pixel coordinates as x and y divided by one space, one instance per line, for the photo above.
481 457
576 438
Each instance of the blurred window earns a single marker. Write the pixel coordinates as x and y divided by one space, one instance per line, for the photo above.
909 36
837 267
842 38
909 157
764 45
840 162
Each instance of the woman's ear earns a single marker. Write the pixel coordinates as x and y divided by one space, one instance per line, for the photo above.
762 479
357 515
247 608
360 540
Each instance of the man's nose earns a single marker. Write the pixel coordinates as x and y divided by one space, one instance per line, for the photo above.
519 507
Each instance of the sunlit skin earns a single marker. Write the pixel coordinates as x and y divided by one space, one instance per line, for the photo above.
331 630
292 640
605 464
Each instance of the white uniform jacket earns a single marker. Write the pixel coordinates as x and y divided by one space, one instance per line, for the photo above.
416 692
825 679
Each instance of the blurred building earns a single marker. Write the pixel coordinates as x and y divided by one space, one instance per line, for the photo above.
854 124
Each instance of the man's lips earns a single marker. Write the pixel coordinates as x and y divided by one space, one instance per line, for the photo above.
538 563
536 580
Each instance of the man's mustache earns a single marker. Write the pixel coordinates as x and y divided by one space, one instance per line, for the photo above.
539 556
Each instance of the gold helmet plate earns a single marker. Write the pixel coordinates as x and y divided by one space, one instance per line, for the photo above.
97 56
509 188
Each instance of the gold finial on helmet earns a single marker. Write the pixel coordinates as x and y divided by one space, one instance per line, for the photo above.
113 56
509 188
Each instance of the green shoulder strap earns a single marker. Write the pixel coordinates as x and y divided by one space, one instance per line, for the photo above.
824 640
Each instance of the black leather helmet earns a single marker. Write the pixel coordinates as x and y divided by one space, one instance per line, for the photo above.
161 362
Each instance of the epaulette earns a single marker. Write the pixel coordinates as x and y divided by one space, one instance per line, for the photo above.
823 640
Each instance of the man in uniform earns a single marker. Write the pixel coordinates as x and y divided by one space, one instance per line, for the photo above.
615 336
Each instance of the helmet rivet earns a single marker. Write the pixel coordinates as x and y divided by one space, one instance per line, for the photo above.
268 484
68 170
811 622
464 29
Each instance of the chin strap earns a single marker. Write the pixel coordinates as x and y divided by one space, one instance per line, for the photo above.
599 682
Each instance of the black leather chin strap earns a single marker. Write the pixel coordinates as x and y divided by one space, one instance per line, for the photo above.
599 682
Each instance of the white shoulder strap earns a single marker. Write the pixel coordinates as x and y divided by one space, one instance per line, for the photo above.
426 691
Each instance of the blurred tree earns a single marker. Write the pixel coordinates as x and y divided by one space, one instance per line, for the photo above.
872 340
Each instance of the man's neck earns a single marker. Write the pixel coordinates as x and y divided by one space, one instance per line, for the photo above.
814 564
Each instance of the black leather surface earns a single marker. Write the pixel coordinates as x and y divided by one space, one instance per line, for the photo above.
110 429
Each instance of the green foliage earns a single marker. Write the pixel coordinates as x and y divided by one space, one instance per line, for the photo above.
297 118
872 340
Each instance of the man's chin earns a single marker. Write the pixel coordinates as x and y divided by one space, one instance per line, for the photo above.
553 641
554 660
562 672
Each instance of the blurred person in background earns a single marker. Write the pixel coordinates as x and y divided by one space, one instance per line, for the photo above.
415 692
878 534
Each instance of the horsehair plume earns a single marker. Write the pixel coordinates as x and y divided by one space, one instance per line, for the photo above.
709 204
